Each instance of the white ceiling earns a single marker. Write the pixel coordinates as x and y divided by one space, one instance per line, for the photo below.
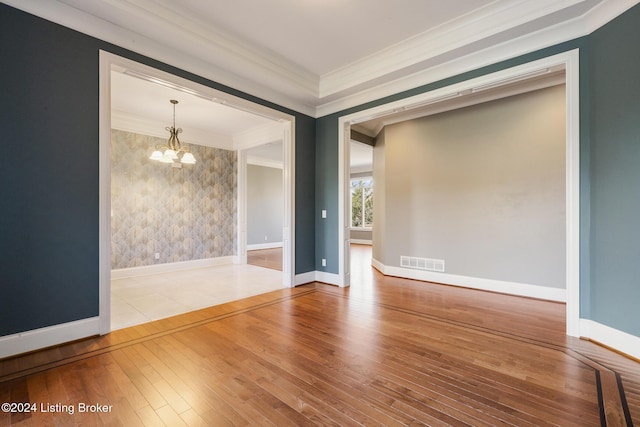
203 121
322 56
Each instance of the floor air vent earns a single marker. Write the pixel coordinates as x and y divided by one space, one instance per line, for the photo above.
422 263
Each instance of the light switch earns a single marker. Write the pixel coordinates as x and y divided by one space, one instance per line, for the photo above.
324 213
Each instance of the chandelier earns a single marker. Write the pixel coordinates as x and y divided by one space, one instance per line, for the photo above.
174 150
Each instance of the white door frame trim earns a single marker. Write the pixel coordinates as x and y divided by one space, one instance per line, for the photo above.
288 183
107 62
570 61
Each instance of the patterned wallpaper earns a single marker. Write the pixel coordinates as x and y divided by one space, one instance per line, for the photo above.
183 214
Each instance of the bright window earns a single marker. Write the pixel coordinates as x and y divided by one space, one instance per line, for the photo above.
362 202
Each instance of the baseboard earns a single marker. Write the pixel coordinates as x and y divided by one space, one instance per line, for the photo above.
511 288
329 278
361 242
124 273
610 337
23 342
304 278
317 276
259 246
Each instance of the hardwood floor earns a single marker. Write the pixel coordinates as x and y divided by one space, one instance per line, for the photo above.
386 351
267 258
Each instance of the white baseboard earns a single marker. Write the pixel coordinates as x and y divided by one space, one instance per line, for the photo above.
618 340
317 276
259 246
330 278
124 273
512 288
23 342
361 242
304 278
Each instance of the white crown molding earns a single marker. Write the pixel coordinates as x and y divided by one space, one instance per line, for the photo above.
467 100
605 12
151 17
266 163
493 19
559 33
269 132
245 75
136 124
206 52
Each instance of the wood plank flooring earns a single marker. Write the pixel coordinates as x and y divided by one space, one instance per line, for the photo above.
267 258
388 352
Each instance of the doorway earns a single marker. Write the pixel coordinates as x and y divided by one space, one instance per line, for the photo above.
281 123
568 62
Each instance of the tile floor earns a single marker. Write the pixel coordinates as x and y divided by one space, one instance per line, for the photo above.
142 299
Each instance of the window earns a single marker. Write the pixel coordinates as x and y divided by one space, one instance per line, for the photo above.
362 202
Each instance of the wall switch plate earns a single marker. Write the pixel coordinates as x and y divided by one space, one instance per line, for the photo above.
324 213
324 262
157 256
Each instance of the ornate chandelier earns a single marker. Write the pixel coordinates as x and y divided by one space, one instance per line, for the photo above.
174 150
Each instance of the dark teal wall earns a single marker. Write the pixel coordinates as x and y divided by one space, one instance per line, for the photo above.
326 239
614 89
49 173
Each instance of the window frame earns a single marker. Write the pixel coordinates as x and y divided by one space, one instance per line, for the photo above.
364 227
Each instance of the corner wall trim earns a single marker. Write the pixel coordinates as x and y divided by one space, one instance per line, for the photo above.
304 278
503 287
610 337
317 276
124 273
23 342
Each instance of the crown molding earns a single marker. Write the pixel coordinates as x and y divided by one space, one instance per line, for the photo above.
260 135
559 33
488 21
144 126
240 75
267 163
447 50
151 17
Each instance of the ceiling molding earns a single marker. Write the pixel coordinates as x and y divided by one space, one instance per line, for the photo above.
267 163
460 45
541 39
270 132
248 78
493 19
466 100
144 126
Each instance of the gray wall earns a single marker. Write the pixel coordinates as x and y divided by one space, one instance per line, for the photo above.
481 187
361 234
379 196
265 203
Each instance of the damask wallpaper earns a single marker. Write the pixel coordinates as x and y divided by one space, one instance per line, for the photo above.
182 214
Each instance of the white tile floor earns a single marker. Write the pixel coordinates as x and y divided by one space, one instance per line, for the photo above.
142 299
